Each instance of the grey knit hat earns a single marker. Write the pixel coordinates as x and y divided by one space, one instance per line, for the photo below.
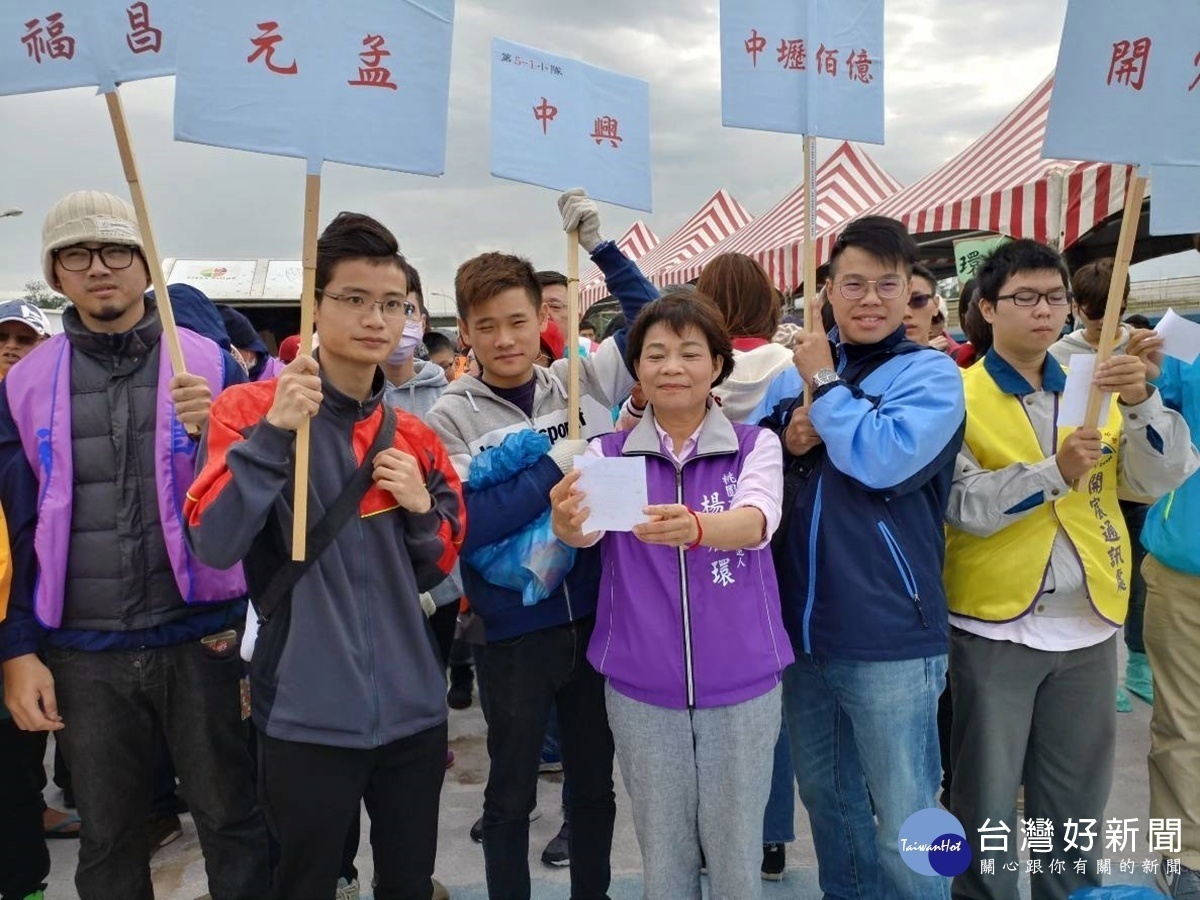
87 216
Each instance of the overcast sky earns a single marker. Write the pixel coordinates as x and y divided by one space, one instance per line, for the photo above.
954 68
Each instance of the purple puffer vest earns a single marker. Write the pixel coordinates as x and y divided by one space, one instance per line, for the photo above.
39 396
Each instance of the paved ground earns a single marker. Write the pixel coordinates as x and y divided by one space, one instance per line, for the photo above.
179 873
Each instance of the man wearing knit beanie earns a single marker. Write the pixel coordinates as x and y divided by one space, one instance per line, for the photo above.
114 628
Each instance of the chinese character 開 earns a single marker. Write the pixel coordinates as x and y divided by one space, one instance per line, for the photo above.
1128 64
265 44
55 44
371 73
144 38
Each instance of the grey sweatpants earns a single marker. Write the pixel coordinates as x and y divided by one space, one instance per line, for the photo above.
697 778
1051 717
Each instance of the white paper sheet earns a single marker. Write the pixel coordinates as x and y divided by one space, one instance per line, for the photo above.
1181 337
1073 407
616 492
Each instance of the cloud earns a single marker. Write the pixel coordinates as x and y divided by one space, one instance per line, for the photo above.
953 70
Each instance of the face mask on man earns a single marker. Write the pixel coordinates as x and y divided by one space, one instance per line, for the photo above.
407 345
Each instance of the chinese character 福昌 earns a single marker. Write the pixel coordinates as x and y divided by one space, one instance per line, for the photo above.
1128 63
371 73
265 44
143 37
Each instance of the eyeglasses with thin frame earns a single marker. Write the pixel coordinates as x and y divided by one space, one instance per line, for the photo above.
889 287
79 259
391 308
1030 298
919 301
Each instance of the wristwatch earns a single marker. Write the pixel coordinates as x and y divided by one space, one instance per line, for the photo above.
824 377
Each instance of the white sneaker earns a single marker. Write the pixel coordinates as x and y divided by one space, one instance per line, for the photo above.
346 890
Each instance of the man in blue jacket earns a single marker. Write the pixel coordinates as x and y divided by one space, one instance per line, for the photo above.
534 655
868 469
1172 634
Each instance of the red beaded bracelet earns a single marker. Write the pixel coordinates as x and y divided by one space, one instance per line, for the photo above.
699 532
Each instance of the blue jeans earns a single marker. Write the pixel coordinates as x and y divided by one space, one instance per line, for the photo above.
865 745
779 821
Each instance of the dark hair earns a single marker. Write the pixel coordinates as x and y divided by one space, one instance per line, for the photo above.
356 236
1006 261
615 324
828 320
588 323
480 279
978 330
435 341
966 296
744 294
885 239
1090 287
920 270
679 310
1137 320
548 278
414 286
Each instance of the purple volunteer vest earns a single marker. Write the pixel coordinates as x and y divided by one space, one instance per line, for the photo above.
273 369
39 396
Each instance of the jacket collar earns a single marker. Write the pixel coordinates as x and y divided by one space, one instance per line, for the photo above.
716 435
136 342
1010 381
344 406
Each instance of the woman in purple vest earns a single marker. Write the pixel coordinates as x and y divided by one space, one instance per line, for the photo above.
688 629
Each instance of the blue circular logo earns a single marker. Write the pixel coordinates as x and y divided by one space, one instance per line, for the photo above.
933 842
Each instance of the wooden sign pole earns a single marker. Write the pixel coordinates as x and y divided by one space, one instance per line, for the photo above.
809 237
308 299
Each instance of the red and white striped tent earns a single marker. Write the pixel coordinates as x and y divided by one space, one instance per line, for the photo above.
637 241
718 218
848 182
1002 184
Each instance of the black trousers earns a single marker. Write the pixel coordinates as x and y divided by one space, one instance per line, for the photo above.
311 795
24 860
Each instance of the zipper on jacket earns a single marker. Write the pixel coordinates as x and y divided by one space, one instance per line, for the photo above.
906 573
365 607
688 663
810 600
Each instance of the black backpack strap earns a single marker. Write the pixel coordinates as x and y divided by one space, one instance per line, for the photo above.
321 535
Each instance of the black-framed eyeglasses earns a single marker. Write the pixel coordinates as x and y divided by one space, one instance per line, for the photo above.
889 287
1030 298
919 301
79 259
391 308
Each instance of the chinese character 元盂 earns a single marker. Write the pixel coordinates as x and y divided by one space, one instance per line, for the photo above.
55 44
792 55
606 130
993 838
858 67
827 61
1164 835
371 73
1038 836
143 38
265 44
755 44
545 113
1128 63
1081 834
1120 833
721 573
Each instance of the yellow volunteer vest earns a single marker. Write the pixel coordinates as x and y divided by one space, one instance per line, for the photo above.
998 578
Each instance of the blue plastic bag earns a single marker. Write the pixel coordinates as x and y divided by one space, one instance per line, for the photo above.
532 561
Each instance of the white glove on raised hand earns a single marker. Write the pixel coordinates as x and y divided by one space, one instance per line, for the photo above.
580 211
564 451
